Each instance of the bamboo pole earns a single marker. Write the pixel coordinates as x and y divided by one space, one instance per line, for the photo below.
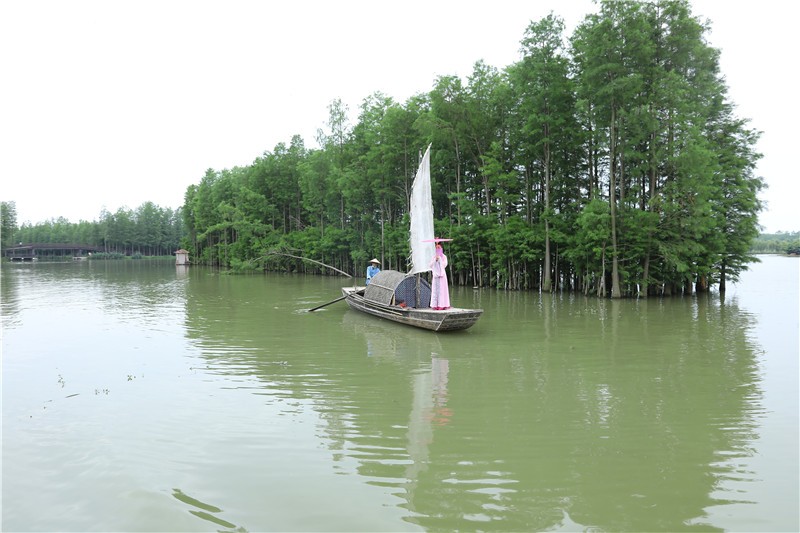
307 259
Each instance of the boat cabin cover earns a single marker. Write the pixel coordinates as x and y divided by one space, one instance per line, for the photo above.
391 287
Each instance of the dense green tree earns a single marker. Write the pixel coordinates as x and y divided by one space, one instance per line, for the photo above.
735 203
147 230
545 120
614 166
8 224
775 243
611 50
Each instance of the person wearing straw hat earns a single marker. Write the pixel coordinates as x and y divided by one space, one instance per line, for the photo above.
373 268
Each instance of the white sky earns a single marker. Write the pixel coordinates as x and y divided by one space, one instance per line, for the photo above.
111 103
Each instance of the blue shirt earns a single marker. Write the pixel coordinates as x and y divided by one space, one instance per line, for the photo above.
371 271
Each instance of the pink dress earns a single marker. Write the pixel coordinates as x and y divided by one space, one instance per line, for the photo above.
440 294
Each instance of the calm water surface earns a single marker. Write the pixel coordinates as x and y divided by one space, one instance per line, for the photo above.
140 396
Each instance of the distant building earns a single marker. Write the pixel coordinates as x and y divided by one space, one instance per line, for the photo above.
182 257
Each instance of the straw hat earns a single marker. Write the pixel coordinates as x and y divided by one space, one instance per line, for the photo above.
375 261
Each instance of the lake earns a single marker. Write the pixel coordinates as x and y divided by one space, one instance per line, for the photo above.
141 396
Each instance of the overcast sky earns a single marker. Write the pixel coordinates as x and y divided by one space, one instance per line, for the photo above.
111 103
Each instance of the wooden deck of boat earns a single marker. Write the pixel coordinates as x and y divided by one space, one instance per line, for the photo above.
446 320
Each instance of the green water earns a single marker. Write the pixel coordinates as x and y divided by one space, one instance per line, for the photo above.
141 396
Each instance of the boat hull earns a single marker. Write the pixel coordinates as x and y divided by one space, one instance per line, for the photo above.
448 320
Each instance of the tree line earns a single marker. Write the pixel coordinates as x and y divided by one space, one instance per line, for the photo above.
147 230
608 162
777 243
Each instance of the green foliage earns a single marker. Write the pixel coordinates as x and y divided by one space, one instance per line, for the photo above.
148 230
608 162
776 243
106 255
8 224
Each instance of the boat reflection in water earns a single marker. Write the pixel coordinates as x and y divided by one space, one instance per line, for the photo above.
429 409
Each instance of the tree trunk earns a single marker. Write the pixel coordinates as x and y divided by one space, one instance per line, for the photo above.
612 198
458 180
547 282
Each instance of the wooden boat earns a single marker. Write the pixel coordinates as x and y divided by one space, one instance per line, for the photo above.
393 295
406 298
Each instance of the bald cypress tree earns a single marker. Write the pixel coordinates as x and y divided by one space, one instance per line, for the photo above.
612 51
735 204
8 223
670 153
545 126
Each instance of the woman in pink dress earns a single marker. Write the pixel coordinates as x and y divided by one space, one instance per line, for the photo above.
440 294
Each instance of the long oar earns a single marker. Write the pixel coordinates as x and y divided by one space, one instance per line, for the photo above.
329 303
336 300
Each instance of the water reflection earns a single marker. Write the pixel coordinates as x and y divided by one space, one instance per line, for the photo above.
11 282
387 339
609 414
138 290
553 413
202 510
